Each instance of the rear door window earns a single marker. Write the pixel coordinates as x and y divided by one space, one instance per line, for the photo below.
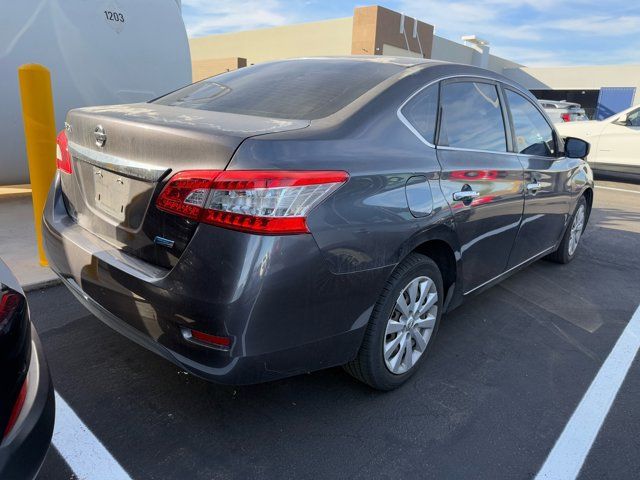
534 136
305 89
422 112
472 117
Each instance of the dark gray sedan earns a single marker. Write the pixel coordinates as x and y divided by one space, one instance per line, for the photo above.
301 214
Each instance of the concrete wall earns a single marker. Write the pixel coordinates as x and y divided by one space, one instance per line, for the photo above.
329 37
450 51
578 77
394 51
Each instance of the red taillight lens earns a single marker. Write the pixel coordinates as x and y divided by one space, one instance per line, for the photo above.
17 408
186 193
63 158
10 302
266 202
566 117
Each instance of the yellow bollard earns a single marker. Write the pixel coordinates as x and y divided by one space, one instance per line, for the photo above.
40 138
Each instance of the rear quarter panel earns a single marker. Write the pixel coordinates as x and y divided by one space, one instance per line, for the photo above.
366 224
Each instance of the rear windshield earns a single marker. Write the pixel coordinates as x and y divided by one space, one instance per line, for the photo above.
294 89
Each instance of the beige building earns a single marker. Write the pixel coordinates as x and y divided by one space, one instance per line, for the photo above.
372 30
375 30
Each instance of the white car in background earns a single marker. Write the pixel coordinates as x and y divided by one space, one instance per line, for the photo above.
615 142
563 111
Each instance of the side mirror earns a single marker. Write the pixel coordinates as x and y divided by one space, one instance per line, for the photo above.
576 148
622 120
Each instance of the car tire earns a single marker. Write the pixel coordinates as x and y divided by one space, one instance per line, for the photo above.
417 276
571 240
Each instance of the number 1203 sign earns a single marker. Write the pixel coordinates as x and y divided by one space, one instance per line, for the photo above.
114 16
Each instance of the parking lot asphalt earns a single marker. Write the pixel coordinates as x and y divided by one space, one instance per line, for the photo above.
506 373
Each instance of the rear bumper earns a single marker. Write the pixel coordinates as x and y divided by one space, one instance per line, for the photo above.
23 451
285 312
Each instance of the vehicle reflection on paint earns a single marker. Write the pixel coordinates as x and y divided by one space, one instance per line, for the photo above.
496 183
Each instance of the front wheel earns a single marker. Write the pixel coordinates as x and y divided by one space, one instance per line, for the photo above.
569 245
402 325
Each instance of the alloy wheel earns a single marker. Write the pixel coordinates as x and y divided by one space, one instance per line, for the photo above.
410 325
576 230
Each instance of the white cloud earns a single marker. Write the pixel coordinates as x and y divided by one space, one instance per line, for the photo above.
539 32
599 25
203 17
532 32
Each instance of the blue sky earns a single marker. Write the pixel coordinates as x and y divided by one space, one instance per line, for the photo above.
532 32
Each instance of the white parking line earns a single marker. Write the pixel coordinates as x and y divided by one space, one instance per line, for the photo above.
618 189
82 451
572 447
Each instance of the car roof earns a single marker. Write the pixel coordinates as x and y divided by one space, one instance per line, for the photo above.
395 60
560 103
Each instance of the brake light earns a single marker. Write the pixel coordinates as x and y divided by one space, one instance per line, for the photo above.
10 303
17 408
267 202
186 193
63 158
566 117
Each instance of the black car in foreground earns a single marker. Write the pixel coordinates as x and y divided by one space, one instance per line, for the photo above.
27 406
302 214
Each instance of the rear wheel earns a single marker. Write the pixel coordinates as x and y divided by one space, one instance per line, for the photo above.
402 325
569 245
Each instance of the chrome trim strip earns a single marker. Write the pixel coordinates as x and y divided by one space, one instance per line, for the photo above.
406 122
458 149
547 250
128 168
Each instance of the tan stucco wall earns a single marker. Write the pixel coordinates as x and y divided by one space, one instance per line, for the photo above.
591 77
213 66
329 37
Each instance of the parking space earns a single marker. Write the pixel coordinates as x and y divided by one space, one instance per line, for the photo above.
507 371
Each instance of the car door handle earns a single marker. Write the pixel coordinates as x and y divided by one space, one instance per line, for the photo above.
465 195
534 186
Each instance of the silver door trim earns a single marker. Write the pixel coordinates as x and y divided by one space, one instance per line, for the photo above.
460 149
411 128
543 252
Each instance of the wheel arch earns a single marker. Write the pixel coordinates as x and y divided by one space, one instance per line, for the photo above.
440 243
441 252
588 195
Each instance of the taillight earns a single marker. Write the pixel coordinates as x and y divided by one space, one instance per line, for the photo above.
63 158
17 408
566 117
10 303
267 202
186 193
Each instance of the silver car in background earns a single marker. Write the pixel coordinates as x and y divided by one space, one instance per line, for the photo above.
563 111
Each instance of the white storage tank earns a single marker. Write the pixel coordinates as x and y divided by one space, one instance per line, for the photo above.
98 51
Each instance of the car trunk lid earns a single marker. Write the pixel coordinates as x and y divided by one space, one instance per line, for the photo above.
122 155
